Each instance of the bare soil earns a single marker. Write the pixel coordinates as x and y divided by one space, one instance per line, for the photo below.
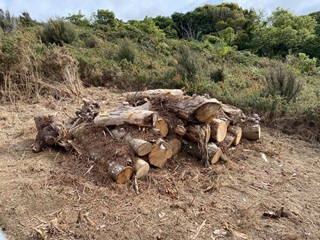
56 195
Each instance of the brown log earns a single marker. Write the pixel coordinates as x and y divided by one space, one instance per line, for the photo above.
197 108
119 173
180 130
141 168
219 128
176 144
198 133
162 126
160 153
136 96
236 131
139 146
227 142
140 116
212 154
232 113
50 131
251 133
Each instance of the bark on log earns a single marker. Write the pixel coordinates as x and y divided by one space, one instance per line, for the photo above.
219 129
143 118
139 146
137 96
141 168
160 153
119 173
50 131
236 131
232 113
227 142
198 133
213 152
180 130
251 133
197 108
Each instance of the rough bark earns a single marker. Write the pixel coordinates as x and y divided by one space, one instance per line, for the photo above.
236 131
232 113
143 118
139 146
251 133
134 97
198 133
227 142
176 144
50 131
162 126
212 153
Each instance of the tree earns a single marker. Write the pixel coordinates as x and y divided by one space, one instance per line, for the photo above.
282 33
79 19
105 18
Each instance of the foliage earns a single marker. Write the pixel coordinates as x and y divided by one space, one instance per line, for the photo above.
282 82
302 62
7 22
58 31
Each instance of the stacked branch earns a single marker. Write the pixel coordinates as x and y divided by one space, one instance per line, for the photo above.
156 127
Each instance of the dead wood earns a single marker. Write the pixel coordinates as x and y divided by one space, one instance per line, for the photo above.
160 153
236 131
252 132
198 133
219 128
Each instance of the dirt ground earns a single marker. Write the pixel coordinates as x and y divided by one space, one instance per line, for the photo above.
270 189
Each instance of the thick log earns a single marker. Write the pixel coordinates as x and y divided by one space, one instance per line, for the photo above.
227 142
251 133
198 133
197 108
236 131
160 153
120 174
139 146
162 126
219 128
141 168
137 96
176 144
212 153
232 113
180 130
50 131
143 118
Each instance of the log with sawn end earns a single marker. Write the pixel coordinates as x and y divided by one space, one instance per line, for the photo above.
252 132
219 128
212 153
160 153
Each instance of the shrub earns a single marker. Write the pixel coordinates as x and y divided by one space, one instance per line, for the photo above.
282 82
127 51
58 31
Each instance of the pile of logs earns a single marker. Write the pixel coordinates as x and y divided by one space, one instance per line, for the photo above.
155 125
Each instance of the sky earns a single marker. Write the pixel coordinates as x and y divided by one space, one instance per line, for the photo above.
42 10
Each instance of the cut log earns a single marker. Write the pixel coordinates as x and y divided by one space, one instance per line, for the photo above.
176 144
197 108
162 126
118 133
251 133
236 131
137 96
219 128
213 153
198 133
139 146
141 168
227 142
160 153
51 131
180 130
119 173
143 118
232 113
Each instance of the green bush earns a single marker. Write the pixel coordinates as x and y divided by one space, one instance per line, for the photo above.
282 82
58 31
127 51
